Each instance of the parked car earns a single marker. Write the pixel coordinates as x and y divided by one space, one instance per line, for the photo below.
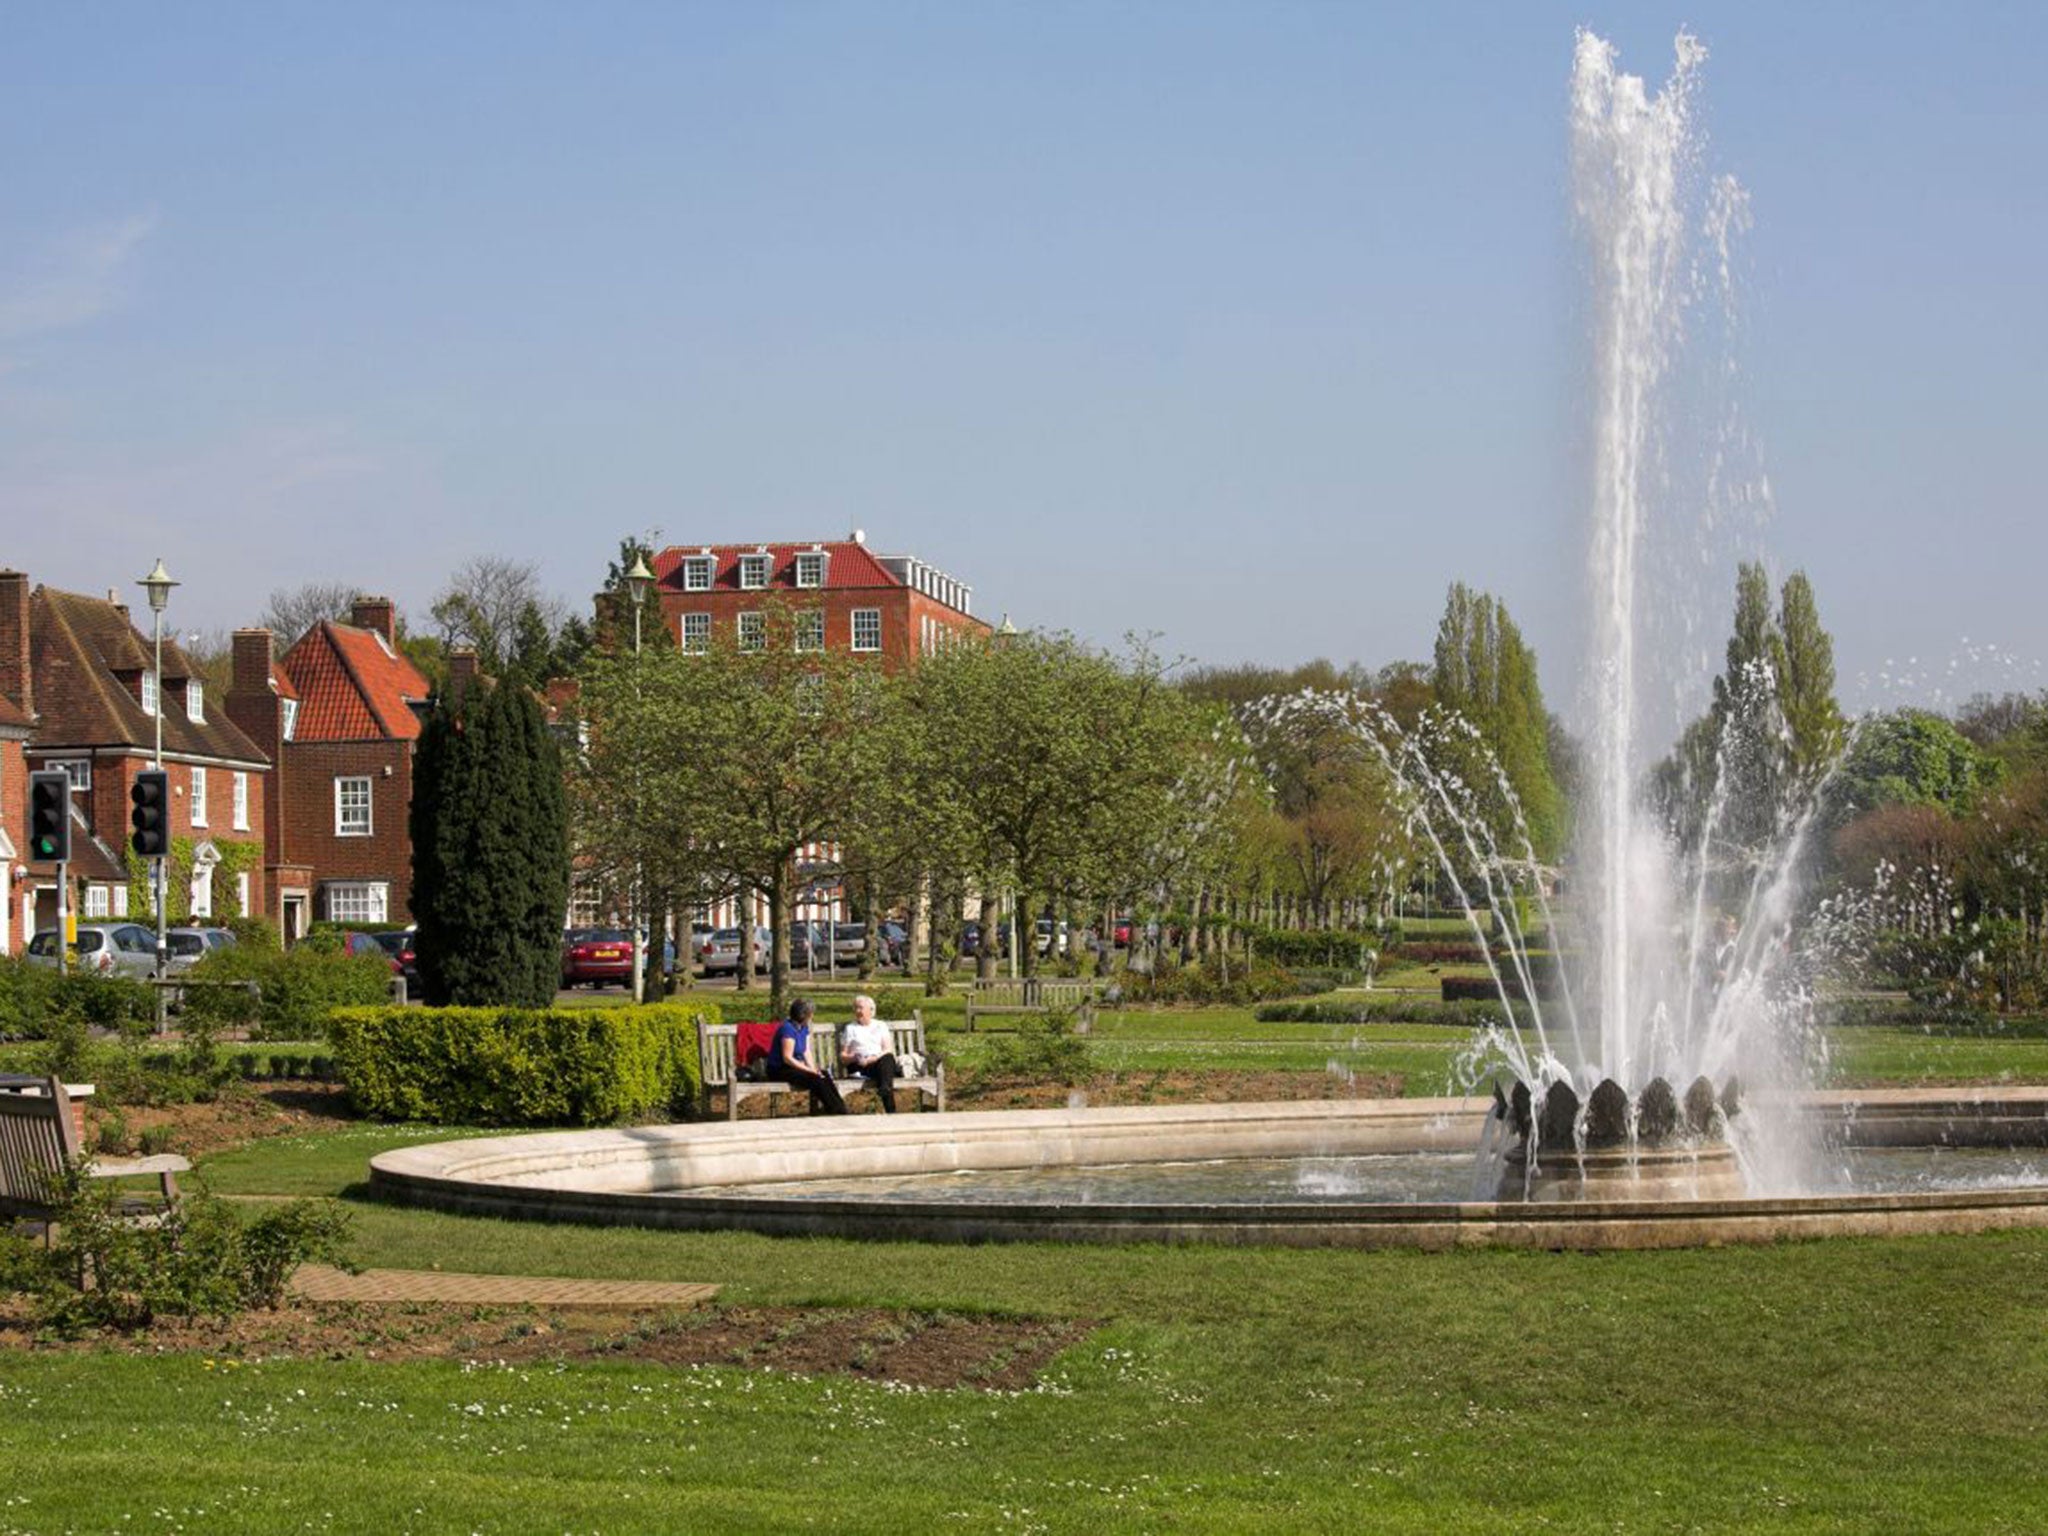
188 946
849 940
720 954
1046 937
112 949
399 946
597 957
366 944
805 945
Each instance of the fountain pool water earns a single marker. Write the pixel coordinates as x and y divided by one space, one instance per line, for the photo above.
1603 1147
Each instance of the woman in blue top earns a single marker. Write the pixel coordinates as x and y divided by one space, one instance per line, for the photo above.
789 1061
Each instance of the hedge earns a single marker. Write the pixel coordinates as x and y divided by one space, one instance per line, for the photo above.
1388 1010
295 990
519 1066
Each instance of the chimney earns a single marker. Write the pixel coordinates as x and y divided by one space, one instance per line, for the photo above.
252 663
252 704
15 680
378 615
461 672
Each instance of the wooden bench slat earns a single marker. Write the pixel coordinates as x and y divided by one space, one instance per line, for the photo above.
716 1042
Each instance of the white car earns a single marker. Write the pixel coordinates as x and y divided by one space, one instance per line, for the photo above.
112 949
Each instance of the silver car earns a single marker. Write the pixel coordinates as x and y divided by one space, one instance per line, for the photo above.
189 946
112 949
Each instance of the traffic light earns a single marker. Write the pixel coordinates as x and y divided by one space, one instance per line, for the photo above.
49 816
149 802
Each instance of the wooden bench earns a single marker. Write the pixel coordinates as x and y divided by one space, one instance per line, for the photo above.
715 1050
39 1140
1032 995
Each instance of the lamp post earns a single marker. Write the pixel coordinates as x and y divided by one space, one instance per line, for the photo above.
158 585
638 580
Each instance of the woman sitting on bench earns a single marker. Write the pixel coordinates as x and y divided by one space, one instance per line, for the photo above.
789 1061
869 1049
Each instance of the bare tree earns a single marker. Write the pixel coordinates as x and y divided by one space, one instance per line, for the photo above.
496 605
294 610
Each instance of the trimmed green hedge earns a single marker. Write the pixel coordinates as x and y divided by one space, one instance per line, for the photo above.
1388 1010
520 1066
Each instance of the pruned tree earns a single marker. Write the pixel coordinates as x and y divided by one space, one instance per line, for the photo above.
294 610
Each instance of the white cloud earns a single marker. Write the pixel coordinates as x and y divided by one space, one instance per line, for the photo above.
75 280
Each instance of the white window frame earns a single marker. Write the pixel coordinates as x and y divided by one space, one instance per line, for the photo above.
694 644
752 630
120 901
242 894
853 628
201 901
290 723
356 901
152 689
195 700
80 769
754 572
98 903
198 796
698 571
241 801
810 563
345 821
810 629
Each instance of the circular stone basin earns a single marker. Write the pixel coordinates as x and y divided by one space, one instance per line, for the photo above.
877 1176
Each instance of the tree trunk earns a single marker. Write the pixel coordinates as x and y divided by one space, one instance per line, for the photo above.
871 934
913 946
985 945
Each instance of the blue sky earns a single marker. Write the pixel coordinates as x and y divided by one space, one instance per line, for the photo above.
1252 325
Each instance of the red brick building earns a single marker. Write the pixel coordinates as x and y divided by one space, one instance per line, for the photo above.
894 607
347 706
87 680
14 734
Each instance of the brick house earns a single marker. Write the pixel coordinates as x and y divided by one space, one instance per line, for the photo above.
264 702
894 607
346 705
14 734
93 694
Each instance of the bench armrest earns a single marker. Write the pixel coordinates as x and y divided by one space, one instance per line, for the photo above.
126 1167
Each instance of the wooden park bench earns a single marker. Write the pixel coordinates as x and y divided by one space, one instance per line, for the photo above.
715 1052
1027 996
39 1140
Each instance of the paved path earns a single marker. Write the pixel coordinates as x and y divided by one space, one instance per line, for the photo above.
319 1282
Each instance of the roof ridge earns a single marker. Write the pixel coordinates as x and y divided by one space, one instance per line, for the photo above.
98 676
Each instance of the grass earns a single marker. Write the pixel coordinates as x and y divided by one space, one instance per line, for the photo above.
1841 1386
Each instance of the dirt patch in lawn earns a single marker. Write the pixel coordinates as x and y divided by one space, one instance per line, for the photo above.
921 1349
243 1112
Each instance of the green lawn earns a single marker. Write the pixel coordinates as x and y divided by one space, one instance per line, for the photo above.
1844 1385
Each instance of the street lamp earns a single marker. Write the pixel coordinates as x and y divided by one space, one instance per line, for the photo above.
638 580
158 585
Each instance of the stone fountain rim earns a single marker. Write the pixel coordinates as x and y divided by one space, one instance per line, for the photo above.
615 1175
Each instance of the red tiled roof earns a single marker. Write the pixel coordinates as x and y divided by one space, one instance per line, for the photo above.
350 688
281 683
850 565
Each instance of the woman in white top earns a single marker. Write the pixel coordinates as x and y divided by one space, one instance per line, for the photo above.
866 1046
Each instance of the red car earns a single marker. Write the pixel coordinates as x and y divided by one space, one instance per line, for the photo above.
597 957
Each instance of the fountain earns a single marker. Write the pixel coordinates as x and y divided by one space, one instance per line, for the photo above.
1593 1145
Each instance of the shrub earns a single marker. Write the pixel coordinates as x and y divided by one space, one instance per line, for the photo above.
1439 952
1212 982
1387 1010
200 1261
1461 989
519 1066
1326 947
1044 1046
295 991
897 1003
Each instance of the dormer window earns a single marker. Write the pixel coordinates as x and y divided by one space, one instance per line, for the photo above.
149 693
195 701
810 569
753 572
291 717
697 573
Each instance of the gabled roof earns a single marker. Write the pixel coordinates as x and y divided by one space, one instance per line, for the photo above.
80 649
850 565
14 719
352 687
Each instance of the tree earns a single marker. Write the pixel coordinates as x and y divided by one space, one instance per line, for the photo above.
496 606
1806 683
490 852
294 610
1058 757
715 768
1486 673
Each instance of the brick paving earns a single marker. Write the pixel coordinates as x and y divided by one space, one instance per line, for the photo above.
320 1282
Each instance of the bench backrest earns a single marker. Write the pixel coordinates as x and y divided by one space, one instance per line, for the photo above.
37 1142
1034 992
715 1046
